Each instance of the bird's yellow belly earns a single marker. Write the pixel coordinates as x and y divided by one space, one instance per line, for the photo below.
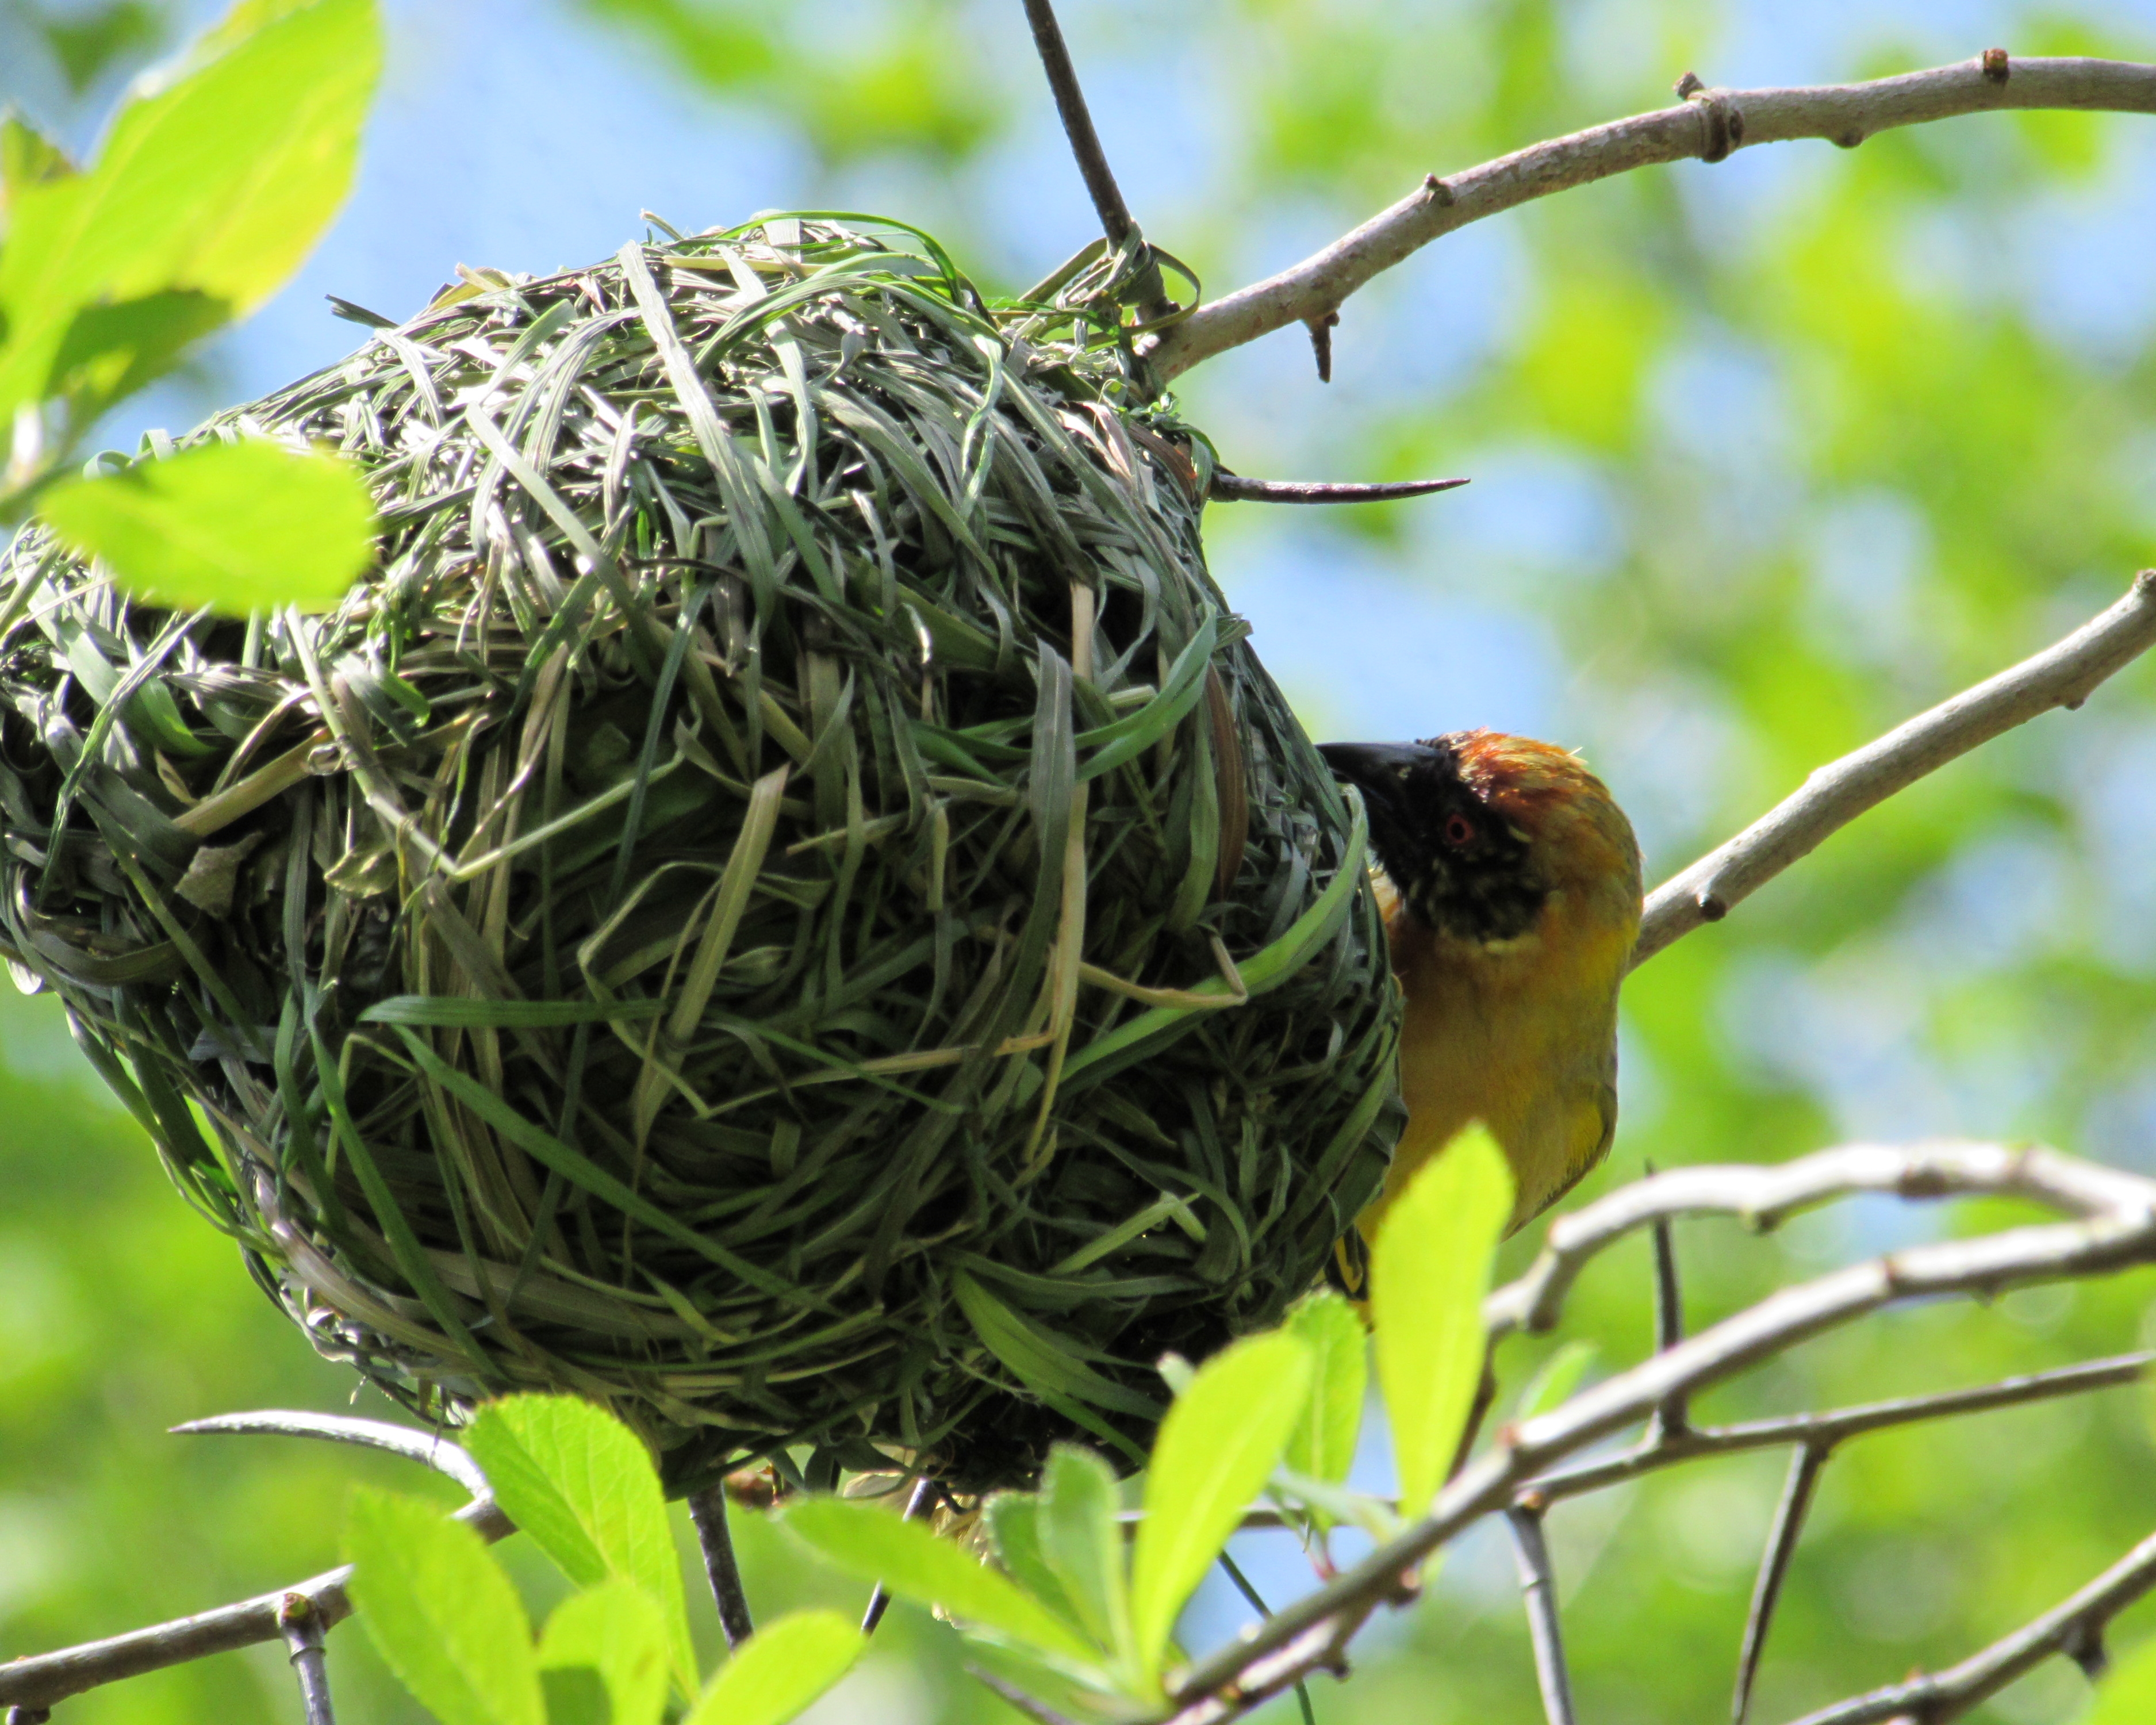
1497 1039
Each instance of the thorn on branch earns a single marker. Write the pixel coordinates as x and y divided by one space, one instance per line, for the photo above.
922 1498
1995 67
1437 190
1234 488
1320 342
1673 1418
2085 1647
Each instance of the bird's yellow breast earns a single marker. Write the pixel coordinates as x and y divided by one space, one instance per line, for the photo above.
1520 1034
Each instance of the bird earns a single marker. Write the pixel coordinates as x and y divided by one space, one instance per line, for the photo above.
1509 885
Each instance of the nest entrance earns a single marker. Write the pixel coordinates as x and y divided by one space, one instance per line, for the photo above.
784 902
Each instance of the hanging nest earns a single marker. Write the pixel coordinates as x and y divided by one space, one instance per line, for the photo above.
784 902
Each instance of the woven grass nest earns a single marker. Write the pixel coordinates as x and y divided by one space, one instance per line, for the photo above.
782 902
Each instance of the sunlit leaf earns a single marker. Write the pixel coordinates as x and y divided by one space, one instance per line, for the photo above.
443 1612
219 179
240 527
1429 1271
1322 1444
603 1658
783 1668
875 1545
1216 1447
1081 1544
1012 1519
582 1486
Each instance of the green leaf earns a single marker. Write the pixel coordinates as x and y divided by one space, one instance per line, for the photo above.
1216 1448
582 1485
1322 1445
1559 1376
243 527
27 157
875 1545
2128 1695
443 1612
603 1658
112 349
783 1668
1012 1519
1429 1271
1081 1544
219 179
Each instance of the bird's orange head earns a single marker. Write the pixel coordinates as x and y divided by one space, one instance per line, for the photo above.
1477 829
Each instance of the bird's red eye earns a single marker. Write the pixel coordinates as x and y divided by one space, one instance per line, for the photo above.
1459 831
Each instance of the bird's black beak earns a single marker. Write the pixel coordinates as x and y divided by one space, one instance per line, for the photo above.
1381 770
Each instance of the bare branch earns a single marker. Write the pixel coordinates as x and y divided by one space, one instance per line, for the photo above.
1827 1429
430 1449
302 1630
1234 488
1116 220
1674 1416
2060 675
2069 1627
1708 124
1034 1710
1538 1589
43 1679
707 1509
2117 1227
918 1503
1796 1503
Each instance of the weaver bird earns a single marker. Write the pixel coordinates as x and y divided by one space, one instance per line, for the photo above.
1510 893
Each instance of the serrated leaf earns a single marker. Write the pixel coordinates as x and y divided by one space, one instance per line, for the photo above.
1081 1544
582 1486
1322 1445
875 1545
783 1668
443 1612
1554 1384
1215 1450
603 1658
243 527
1429 1271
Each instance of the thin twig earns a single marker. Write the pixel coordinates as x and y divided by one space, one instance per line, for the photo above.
43 1679
1538 1590
1674 1417
2110 1234
2068 1626
1805 1466
1708 124
1039 1712
302 1630
1234 488
1114 215
2060 675
429 1448
1832 1427
707 1509
917 1501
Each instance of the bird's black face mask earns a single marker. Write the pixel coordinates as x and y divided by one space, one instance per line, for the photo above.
1459 867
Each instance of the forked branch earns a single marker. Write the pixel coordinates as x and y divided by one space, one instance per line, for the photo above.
1708 124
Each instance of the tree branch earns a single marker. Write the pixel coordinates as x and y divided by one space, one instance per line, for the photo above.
1538 1591
1796 1503
707 1509
302 1630
2062 676
2117 1227
2069 1627
43 1679
1708 124
1234 488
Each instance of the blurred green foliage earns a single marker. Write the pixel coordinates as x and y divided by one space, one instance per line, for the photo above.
1851 430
